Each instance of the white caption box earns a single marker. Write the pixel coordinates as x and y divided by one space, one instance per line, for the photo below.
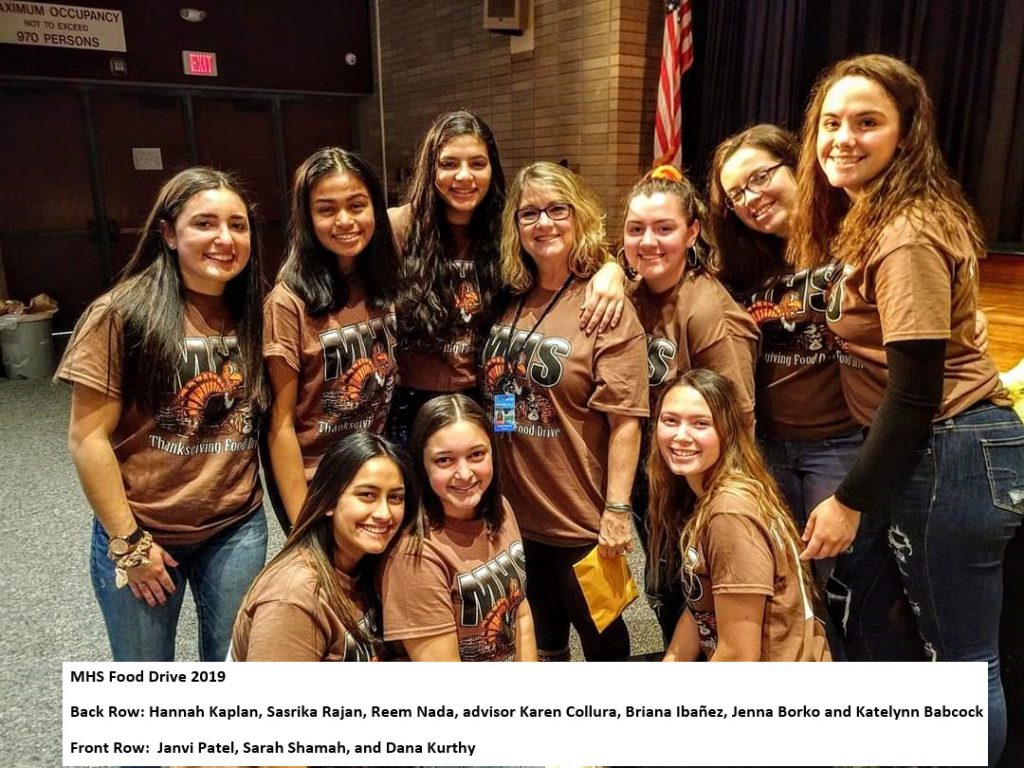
525 714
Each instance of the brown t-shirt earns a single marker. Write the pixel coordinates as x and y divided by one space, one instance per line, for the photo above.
737 554
452 367
345 361
697 324
917 284
190 469
565 383
463 581
799 395
286 618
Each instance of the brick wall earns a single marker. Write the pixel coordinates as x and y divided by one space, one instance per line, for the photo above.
585 93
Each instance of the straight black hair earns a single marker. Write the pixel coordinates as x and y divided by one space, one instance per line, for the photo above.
309 269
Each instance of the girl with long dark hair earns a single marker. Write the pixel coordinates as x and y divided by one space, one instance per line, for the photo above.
451 288
718 514
168 388
329 333
944 454
455 586
317 600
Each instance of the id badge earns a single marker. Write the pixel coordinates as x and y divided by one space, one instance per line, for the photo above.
504 413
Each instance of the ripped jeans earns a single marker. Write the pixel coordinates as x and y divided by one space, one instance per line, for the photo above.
867 610
951 521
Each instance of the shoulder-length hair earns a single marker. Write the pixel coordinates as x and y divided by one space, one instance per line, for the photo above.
677 517
590 248
313 533
311 270
916 183
149 297
669 180
436 414
746 258
426 301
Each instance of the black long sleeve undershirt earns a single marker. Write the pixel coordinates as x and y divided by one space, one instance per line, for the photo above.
912 397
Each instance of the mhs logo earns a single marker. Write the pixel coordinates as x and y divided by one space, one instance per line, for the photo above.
545 354
343 346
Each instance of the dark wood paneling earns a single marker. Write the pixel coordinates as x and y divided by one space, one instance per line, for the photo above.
124 121
45 203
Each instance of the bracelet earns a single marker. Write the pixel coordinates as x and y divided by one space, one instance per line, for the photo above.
614 507
137 558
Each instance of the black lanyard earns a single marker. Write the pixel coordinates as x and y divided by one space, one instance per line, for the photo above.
519 311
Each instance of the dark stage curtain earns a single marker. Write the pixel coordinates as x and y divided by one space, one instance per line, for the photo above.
756 61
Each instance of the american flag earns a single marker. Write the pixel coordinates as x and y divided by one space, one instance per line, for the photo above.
676 59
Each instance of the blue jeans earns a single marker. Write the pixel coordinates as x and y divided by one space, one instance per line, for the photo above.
951 521
868 615
218 571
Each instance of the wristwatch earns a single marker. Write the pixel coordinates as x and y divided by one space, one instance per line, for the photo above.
120 546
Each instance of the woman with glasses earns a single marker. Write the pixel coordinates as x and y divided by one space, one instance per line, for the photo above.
448 235
572 401
805 430
690 320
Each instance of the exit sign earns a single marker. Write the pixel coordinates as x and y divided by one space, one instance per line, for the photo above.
199 63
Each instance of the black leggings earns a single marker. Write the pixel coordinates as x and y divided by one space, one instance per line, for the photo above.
557 601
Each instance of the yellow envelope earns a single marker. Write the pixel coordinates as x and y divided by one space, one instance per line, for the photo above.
607 585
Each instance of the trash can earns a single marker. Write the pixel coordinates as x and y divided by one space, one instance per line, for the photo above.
27 345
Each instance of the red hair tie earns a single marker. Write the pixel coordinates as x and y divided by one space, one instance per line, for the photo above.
668 172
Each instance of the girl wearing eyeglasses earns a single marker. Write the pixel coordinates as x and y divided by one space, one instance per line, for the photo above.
448 234
691 321
573 397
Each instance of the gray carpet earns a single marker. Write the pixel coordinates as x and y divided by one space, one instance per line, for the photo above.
48 611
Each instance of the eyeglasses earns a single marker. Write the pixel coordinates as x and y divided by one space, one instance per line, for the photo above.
527 217
756 183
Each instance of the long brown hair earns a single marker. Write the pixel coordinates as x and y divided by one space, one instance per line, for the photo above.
746 259
916 184
677 517
149 297
313 534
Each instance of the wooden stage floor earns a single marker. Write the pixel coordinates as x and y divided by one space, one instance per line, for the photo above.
1002 299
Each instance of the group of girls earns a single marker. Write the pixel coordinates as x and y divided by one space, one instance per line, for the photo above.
804 405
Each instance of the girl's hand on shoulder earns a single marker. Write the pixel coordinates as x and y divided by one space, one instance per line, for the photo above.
830 529
604 299
152 582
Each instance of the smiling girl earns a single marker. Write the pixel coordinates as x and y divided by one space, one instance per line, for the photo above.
455 588
316 600
168 386
748 596
329 333
944 456
690 320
